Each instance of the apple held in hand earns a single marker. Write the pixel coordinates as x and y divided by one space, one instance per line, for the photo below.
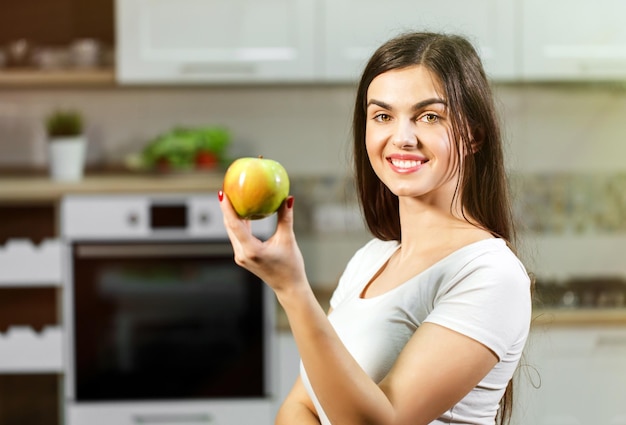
256 187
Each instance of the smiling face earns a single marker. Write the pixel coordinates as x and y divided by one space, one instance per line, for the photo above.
408 136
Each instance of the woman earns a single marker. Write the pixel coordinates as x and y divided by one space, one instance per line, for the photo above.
429 319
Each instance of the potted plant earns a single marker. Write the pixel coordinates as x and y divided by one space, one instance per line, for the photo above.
67 144
187 149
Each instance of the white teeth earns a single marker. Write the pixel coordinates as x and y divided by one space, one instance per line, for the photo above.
405 163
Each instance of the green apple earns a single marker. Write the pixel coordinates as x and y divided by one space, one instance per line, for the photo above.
256 187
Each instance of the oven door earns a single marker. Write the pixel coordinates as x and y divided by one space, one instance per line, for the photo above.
166 321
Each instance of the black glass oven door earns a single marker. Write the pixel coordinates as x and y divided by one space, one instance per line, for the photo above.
165 321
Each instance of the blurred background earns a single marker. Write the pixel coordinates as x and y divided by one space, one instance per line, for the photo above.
279 78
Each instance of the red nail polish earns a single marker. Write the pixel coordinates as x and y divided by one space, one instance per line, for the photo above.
220 195
290 202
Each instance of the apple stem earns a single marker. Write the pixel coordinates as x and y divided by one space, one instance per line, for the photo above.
260 156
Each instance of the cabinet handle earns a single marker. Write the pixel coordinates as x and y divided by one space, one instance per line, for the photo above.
200 418
139 250
241 68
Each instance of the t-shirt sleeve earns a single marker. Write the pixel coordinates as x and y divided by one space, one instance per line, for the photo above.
488 301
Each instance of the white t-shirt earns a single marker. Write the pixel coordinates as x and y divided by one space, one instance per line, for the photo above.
481 290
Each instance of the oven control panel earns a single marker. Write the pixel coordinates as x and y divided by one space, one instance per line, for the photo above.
136 216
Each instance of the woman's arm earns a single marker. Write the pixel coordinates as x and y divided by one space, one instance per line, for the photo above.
297 408
435 370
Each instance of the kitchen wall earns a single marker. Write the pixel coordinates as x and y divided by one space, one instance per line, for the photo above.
566 149
549 128
306 128
559 138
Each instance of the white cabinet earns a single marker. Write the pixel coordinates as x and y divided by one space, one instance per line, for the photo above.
489 24
24 264
579 40
24 350
204 41
275 41
581 375
248 41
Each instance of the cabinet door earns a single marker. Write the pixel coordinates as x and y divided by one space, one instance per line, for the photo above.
580 374
197 41
565 40
489 24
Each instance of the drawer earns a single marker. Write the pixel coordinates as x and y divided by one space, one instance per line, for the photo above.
23 350
23 263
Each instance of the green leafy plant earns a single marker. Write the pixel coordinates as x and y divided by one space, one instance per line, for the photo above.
185 148
63 123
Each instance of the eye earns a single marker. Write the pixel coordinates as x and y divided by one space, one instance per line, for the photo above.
382 117
430 118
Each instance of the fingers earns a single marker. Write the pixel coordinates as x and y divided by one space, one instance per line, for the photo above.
277 260
238 229
241 227
249 251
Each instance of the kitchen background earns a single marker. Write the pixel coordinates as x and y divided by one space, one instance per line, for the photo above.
562 101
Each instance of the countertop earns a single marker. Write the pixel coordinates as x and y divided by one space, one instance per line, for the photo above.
36 188
580 316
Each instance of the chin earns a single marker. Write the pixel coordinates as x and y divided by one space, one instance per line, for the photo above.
406 192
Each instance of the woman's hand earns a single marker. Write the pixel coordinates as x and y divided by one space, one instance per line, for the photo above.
278 260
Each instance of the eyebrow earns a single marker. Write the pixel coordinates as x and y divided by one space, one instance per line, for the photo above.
417 106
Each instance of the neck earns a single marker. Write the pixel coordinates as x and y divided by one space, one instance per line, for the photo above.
424 223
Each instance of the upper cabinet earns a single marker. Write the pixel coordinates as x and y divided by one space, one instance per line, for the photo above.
488 24
204 41
167 42
580 40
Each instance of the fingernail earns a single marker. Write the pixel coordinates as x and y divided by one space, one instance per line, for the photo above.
290 202
220 195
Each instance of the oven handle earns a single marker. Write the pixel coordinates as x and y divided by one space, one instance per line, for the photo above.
200 418
152 250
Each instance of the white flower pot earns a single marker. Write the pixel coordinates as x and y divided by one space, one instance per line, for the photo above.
67 158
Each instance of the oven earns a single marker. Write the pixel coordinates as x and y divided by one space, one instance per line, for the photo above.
162 326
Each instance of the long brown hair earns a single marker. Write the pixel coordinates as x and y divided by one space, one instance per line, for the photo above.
482 187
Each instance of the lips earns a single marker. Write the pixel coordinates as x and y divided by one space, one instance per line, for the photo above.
406 163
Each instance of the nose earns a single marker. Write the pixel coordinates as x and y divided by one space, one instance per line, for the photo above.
404 137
